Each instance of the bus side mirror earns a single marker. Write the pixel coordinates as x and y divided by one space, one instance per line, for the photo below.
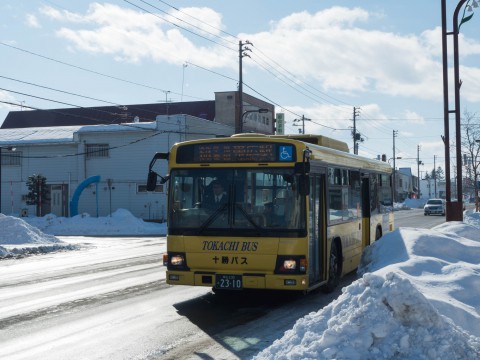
304 185
302 167
151 180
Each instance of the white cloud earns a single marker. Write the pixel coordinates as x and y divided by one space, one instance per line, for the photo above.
63 15
470 77
329 48
32 21
202 18
6 97
414 118
132 36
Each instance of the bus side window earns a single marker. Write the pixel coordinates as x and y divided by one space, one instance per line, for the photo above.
374 200
354 196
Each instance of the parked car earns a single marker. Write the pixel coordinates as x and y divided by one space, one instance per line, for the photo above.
434 206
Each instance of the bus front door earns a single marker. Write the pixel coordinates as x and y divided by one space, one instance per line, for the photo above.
317 229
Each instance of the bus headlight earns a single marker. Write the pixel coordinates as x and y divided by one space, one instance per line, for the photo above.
177 261
288 264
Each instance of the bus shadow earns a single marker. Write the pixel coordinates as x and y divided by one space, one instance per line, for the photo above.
238 317
215 312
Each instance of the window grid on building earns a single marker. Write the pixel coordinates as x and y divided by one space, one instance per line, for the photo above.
11 157
96 150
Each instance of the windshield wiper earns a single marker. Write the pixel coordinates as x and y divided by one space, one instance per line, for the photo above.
212 218
247 216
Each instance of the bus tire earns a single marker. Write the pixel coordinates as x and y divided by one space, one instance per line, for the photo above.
378 233
334 269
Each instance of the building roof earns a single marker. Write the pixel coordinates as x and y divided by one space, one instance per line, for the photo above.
62 134
106 114
46 135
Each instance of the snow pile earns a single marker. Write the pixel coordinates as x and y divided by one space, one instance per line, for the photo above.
32 235
419 298
470 217
410 204
375 318
122 222
19 238
415 203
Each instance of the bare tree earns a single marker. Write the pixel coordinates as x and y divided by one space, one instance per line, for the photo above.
471 147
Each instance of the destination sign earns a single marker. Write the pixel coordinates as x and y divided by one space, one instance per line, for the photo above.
224 152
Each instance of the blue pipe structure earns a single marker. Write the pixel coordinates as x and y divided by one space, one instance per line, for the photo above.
78 192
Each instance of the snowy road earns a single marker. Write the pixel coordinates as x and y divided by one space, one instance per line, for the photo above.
109 300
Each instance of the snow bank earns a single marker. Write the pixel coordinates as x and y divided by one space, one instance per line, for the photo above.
121 223
33 235
375 318
415 203
418 298
20 238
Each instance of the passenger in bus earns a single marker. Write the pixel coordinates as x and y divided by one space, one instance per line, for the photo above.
271 218
217 198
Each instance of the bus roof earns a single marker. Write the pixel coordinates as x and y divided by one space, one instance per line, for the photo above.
308 138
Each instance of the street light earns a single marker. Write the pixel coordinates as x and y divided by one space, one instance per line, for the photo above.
245 113
9 148
396 158
453 210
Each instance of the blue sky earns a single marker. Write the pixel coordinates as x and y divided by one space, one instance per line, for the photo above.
313 58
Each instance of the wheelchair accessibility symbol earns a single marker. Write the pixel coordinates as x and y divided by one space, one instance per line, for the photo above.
285 153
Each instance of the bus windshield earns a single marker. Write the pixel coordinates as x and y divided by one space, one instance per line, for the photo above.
251 201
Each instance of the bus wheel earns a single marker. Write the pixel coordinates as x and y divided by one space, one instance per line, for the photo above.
333 270
378 234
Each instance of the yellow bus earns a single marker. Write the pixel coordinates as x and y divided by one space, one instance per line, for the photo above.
284 212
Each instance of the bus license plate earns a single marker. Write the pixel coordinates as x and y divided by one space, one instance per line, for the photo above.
232 282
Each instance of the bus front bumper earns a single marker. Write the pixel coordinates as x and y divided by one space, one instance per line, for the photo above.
248 281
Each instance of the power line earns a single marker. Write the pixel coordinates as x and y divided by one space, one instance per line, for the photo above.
109 148
67 114
61 91
77 95
91 71
264 55
176 25
197 19
294 78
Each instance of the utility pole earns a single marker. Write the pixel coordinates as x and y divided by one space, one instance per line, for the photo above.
418 169
242 52
356 136
166 98
435 173
395 132
303 119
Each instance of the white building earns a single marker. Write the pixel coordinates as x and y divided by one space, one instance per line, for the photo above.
111 159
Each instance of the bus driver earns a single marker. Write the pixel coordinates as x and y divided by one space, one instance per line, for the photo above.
218 198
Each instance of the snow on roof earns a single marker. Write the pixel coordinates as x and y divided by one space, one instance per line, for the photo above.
118 127
60 134
63 134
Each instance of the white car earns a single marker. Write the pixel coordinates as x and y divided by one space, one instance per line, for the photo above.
434 206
